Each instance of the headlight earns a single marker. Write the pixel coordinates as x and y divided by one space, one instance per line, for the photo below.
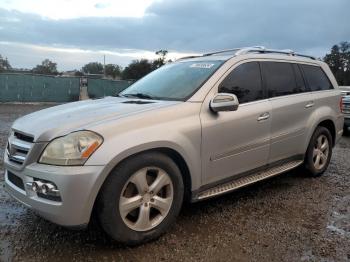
71 150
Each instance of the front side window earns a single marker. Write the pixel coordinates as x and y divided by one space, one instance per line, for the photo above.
174 81
316 78
245 82
279 79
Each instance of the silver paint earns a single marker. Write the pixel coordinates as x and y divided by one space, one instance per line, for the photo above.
214 146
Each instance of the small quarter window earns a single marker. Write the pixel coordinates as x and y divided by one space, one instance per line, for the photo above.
316 78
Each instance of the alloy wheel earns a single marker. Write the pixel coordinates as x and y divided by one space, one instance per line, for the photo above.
320 152
146 198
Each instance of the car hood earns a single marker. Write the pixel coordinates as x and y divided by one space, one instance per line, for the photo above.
44 125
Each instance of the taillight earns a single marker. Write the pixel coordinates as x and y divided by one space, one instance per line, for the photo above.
341 105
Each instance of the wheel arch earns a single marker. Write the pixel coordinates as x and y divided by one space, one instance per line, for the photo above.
329 124
178 159
182 165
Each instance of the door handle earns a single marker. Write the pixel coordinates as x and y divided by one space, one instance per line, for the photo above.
310 104
264 116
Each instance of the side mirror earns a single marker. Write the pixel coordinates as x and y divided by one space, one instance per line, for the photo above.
224 102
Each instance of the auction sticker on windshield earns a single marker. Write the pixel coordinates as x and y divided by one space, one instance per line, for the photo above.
202 65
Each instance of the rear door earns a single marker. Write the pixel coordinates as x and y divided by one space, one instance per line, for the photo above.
292 105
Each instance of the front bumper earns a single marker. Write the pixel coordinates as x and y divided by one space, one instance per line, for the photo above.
77 186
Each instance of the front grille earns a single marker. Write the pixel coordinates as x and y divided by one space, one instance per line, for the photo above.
18 147
346 107
23 137
17 181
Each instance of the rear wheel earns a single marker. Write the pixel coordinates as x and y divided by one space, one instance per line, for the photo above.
319 151
141 198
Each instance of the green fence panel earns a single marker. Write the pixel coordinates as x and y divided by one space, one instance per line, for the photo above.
103 87
38 88
8 89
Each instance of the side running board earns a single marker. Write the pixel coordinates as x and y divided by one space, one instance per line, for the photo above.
247 180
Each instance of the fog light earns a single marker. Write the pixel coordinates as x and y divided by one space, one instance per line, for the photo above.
37 186
44 189
47 188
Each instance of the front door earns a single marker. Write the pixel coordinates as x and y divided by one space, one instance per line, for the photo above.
236 141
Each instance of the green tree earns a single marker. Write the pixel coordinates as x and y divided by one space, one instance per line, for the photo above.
78 73
161 60
47 67
93 68
113 70
4 64
339 62
137 69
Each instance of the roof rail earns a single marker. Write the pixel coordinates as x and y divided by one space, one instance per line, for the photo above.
188 57
222 51
246 50
253 49
262 49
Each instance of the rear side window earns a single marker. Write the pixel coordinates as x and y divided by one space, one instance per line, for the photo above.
280 79
316 78
245 82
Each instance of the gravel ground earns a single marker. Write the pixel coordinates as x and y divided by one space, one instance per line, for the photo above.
288 218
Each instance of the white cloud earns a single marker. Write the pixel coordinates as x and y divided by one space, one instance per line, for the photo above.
65 9
182 25
27 55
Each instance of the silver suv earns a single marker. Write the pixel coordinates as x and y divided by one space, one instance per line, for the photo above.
193 129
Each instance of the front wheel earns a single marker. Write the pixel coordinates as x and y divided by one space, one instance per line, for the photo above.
319 152
141 198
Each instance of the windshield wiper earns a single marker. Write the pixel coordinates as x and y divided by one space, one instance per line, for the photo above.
138 95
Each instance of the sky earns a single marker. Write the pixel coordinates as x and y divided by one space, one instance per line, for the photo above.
75 32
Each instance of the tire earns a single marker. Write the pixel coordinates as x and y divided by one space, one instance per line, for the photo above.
346 131
313 152
136 227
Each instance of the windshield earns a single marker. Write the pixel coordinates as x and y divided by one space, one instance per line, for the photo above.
174 81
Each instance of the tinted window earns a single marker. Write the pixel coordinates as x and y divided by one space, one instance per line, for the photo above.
245 82
279 79
299 79
316 78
